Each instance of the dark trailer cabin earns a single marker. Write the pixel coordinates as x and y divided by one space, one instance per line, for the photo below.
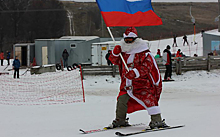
25 53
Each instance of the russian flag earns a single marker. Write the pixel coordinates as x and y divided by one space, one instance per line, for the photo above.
128 13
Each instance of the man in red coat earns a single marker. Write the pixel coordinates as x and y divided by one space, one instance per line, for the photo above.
141 86
2 57
168 63
178 53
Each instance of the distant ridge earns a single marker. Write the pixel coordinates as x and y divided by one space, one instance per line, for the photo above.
175 16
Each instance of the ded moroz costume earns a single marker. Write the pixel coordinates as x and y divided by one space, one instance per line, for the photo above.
141 86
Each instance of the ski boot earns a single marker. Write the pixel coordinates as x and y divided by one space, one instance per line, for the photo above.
119 123
157 122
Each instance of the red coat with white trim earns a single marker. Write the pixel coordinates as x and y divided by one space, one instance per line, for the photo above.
147 85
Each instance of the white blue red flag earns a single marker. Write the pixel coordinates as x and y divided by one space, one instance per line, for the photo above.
128 13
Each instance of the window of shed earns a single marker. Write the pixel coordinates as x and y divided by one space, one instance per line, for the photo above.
72 45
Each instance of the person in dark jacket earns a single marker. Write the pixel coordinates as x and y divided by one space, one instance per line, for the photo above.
167 62
65 56
16 66
185 40
174 40
8 56
107 56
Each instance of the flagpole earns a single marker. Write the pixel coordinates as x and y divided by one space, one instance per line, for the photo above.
115 45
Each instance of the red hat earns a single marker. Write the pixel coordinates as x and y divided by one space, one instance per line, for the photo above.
130 32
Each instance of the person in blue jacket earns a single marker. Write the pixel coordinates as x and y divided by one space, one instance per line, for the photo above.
16 66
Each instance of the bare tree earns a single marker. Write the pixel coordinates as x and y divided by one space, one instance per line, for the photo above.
14 9
26 20
48 20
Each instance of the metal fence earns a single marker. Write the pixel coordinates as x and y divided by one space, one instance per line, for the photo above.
179 65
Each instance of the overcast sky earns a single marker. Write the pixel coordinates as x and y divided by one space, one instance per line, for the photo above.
154 0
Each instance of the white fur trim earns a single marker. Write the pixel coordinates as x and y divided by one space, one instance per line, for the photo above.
114 54
151 110
136 73
131 35
164 58
139 45
158 72
130 59
154 110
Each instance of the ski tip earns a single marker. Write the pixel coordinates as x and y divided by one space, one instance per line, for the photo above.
179 126
82 131
119 134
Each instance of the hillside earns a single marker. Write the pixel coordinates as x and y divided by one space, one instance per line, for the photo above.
176 20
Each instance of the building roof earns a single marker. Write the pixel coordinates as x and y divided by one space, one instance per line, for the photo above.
86 38
24 44
111 42
214 32
76 38
106 42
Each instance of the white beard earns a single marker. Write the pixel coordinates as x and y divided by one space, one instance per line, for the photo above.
126 47
137 46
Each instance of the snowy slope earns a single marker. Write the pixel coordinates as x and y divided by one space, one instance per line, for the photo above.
187 50
193 100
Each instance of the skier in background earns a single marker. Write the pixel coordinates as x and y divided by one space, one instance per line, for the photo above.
167 62
141 86
16 66
174 40
185 40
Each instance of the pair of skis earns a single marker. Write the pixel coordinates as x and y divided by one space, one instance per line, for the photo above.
147 130
133 133
107 128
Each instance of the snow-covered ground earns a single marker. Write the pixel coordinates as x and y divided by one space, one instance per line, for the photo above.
192 99
187 50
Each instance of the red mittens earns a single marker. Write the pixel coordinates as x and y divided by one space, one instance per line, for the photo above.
117 49
130 75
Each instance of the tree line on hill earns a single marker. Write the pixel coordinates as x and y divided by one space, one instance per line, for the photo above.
27 20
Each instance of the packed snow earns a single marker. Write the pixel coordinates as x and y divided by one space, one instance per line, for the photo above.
192 99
